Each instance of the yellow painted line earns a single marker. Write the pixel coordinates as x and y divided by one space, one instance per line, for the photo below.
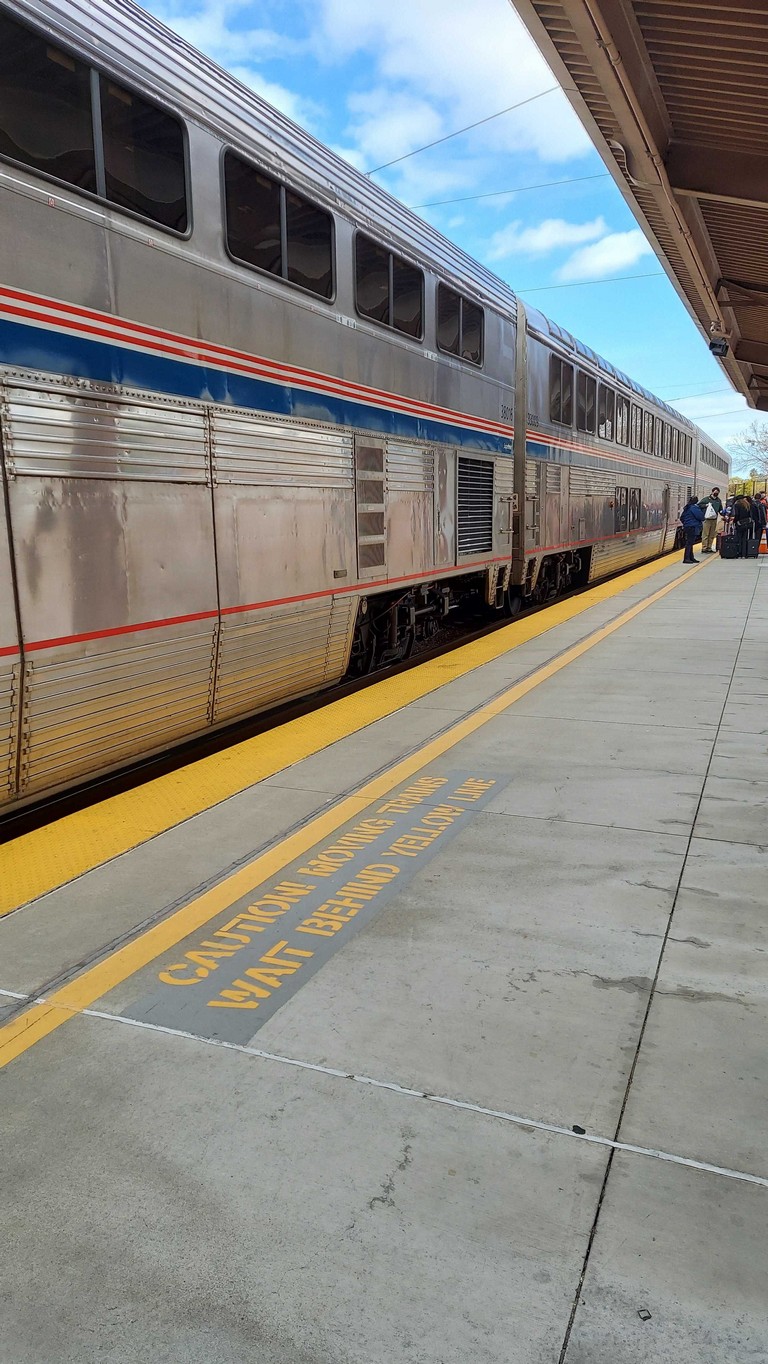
46 858
43 1018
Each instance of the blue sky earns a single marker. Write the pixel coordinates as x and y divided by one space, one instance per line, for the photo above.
376 80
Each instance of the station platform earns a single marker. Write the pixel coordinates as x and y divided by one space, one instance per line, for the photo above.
426 1029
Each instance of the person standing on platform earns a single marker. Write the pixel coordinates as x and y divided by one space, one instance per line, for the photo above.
759 517
742 524
763 500
692 519
711 507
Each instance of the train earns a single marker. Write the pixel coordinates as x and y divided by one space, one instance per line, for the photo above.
261 426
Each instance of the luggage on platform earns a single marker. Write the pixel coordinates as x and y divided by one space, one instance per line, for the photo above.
729 547
753 547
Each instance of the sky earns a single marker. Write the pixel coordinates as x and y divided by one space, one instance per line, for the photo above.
376 81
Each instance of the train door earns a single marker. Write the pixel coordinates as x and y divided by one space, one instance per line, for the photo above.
445 508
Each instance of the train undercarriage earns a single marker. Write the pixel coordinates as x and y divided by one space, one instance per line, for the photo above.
390 625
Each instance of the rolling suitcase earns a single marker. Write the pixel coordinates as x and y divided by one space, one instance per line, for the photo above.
729 546
753 547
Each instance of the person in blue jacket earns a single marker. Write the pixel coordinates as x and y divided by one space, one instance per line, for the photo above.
692 518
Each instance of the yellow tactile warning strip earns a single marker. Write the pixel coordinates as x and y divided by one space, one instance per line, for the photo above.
45 1016
49 857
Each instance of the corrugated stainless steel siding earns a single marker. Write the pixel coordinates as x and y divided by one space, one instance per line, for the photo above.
9 680
65 434
84 714
410 468
247 450
475 505
622 552
281 652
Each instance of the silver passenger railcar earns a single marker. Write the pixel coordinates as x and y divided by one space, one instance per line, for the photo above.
260 425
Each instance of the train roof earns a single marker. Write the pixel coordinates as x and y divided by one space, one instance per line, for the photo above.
134 44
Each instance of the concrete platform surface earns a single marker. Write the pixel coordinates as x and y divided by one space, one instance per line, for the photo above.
443 1046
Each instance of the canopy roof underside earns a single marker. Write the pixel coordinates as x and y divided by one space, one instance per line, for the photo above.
675 95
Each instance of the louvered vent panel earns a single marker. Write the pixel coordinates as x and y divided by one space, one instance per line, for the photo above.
530 477
554 478
75 436
475 506
504 477
249 450
410 468
585 483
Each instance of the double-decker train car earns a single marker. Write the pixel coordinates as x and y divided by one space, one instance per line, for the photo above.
260 425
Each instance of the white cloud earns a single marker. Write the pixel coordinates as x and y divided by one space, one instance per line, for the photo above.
550 235
384 125
470 59
614 252
212 27
301 110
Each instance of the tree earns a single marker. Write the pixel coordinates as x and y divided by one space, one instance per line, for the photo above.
751 449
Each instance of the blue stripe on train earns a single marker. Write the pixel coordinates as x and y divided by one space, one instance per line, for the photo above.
27 347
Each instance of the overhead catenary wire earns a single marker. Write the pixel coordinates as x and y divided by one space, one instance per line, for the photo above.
519 189
582 283
469 126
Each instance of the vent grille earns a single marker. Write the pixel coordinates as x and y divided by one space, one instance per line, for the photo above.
553 478
475 506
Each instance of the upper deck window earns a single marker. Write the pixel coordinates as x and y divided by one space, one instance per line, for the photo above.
622 420
560 391
606 403
276 230
45 107
459 325
388 289
143 157
61 118
586 394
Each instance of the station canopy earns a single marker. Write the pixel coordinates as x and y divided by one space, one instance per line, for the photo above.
675 96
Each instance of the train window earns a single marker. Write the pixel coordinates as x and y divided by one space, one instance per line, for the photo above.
448 320
309 245
586 393
143 157
387 288
648 433
372 279
621 510
560 391
637 427
606 404
45 107
622 420
252 203
658 443
274 229
459 325
667 440
407 293
673 443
